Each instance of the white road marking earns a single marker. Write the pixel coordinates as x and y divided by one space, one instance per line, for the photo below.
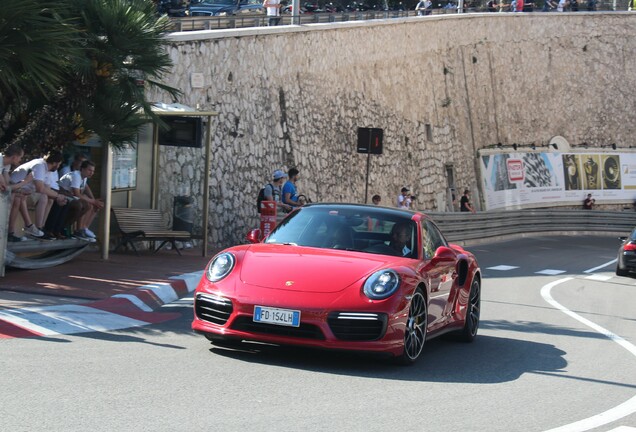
626 408
550 272
601 266
623 429
598 277
502 267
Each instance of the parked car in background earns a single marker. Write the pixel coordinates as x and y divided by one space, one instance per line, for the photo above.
173 8
627 255
344 277
288 9
224 7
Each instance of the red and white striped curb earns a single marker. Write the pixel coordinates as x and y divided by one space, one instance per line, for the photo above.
120 311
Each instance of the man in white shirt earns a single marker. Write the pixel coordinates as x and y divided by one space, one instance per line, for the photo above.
84 206
39 168
273 11
11 157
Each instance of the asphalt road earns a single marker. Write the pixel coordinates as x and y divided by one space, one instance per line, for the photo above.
555 350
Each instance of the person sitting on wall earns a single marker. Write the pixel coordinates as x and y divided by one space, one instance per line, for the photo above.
84 205
39 168
588 203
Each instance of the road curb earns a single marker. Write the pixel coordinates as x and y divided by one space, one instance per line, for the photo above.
120 311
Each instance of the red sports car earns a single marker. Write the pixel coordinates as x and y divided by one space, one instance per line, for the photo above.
342 276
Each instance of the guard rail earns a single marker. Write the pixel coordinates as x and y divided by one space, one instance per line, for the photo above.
191 23
470 229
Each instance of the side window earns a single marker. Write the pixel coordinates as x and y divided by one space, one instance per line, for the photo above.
428 248
436 237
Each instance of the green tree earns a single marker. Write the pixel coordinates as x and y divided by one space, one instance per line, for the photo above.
97 83
35 45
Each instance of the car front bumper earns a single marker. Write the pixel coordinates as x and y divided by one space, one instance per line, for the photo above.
352 330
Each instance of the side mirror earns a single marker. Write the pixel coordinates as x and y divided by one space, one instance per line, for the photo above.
254 236
444 253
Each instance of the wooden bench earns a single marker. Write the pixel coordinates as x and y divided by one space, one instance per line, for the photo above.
136 225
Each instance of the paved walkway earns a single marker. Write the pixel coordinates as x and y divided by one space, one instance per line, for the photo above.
91 294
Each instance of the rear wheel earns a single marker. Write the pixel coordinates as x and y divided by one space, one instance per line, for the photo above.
621 272
469 332
415 332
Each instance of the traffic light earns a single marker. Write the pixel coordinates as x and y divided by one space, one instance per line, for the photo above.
370 140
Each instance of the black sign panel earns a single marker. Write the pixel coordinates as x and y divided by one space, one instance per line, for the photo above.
182 132
370 140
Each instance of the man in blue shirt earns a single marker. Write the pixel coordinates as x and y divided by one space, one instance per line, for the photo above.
290 194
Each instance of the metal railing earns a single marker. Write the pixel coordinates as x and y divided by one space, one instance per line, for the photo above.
261 20
470 229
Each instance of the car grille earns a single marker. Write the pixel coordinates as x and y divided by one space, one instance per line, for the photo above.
357 326
216 310
305 331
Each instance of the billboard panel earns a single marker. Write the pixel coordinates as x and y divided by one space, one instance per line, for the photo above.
515 180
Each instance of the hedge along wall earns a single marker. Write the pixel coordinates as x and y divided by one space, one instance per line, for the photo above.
441 87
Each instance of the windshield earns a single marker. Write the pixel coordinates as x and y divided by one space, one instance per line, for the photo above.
359 228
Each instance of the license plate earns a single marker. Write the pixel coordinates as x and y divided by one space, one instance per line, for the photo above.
277 316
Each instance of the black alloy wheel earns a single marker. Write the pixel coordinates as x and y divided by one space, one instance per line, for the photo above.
471 325
415 331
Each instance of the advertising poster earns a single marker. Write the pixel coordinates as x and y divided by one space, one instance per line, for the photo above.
518 180
125 168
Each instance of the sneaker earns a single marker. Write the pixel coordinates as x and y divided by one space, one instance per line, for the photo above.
82 235
13 238
32 230
47 236
90 233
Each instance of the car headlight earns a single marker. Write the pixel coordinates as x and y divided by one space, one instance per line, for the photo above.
221 14
381 284
220 267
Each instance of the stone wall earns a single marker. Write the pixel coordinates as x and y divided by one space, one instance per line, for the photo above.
440 87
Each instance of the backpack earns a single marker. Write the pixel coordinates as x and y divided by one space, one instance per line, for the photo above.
261 196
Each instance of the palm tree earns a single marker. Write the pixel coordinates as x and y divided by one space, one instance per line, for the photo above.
36 44
119 51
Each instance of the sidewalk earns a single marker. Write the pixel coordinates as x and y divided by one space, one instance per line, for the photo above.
88 278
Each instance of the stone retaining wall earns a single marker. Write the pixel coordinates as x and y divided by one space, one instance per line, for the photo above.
441 87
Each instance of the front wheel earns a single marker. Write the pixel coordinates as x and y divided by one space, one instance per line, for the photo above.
471 325
415 332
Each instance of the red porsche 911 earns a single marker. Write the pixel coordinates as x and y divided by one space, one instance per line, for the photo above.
342 276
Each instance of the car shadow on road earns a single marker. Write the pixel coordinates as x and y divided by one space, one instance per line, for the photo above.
488 360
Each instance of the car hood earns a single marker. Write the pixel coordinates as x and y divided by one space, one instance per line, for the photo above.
305 269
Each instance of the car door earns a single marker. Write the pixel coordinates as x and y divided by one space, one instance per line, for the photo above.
441 273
